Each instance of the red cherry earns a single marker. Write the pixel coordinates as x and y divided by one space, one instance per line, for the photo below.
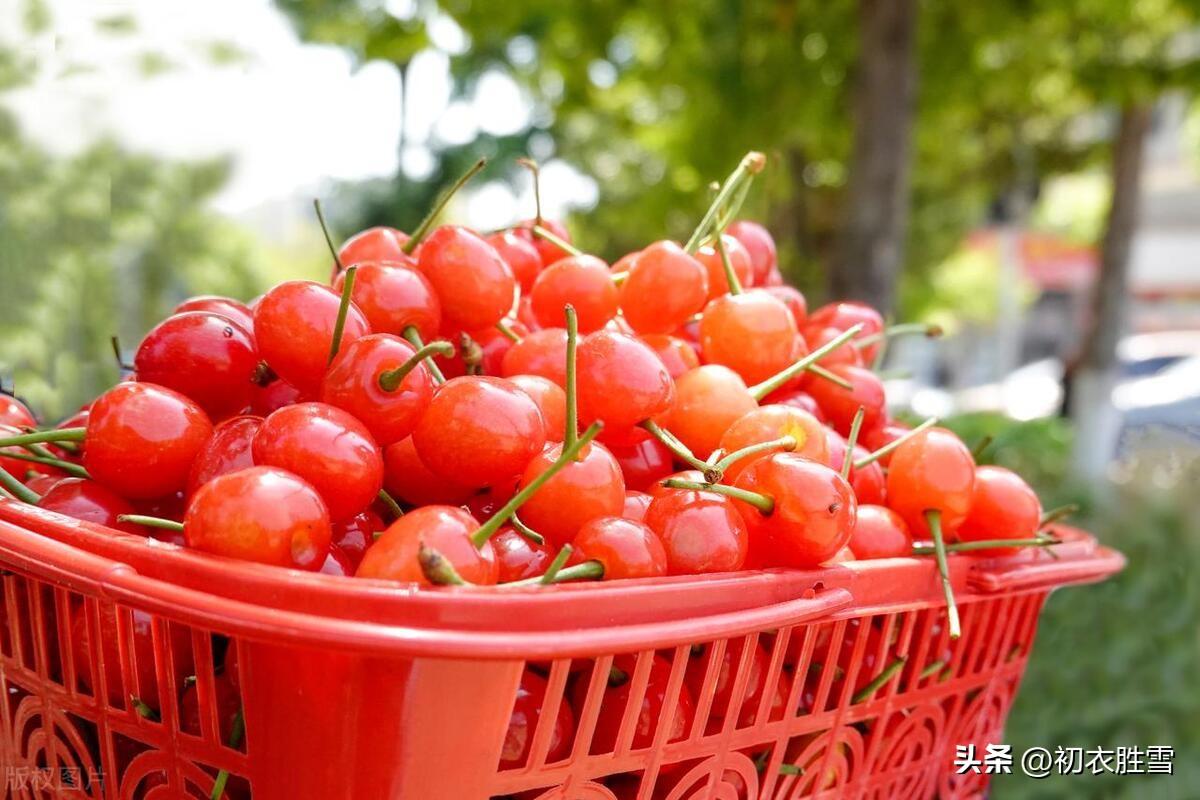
665 287
260 514
759 243
547 250
625 548
142 440
869 483
227 450
845 353
659 490
337 563
878 436
394 296
520 255
794 299
40 483
636 505
355 535
408 479
394 556
517 558
293 326
774 422
362 382
374 244
479 431
227 307
329 449
845 315
676 355
739 259
143 681
933 470
88 501
727 672
700 531
274 396
474 283
15 413
491 344
527 710
751 333
879 532
203 356
621 382
644 461
587 488
1003 506
580 281
649 716
707 401
796 399
840 405
542 352
551 401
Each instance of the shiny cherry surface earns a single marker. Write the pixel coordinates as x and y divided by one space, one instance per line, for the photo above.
707 401
353 385
475 285
665 287
394 556
879 532
626 548
393 296
700 531
587 488
933 470
227 450
621 381
583 282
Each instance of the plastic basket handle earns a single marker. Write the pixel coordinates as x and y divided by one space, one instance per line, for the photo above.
1095 566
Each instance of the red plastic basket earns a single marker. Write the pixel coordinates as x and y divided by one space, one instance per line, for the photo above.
360 689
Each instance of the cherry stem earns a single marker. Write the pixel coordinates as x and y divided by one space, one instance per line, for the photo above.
235 739
791 769
934 517
53 435
489 528
894 331
472 354
560 561
437 568
571 432
337 259
532 166
343 308
413 337
762 502
72 469
588 570
750 165
735 286
443 200
391 503
786 443
761 390
677 448
981 447
508 332
557 241
879 681
116 348
144 711
851 441
151 522
986 544
824 374
894 444
1055 514
19 490
932 669
390 380
525 531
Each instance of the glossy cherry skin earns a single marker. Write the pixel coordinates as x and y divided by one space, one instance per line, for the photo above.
636 505
479 431
274 396
527 709
814 510
89 501
879 532
845 353
329 449
840 405
845 315
707 401
374 244
142 440
759 244
933 470
793 298
15 467
626 548
260 514
649 716
227 450
665 287
739 259
227 307
551 401
488 346
408 480
520 255
144 679
517 558
643 460
580 281
773 422
355 535
293 327
547 250
883 434
542 352
337 563
676 355
352 384
796 399
474 283
40 483
1003 506
869 483
727 672
700 531
620 381
589 487
15 413
394 296
394 556
751 333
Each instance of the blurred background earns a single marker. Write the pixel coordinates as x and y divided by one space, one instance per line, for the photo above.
1025 173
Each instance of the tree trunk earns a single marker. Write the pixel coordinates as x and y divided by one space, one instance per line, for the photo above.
870 250
1092 377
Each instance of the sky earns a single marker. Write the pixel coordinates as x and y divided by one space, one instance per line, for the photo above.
292 115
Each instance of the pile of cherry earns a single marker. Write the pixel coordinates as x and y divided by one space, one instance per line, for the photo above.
467 408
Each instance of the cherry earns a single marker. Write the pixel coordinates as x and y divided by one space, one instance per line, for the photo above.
840 404
882 435
644 460
527 710
355 535
15 413
769 423
329 449
479 431
543 352
700 531
1003 506
144 680
260 514
660 489
294 325
676 354
407 478
868 481
636 505
933 470
227 450
89 501
381 380
621 381
229 705
587 488
275 395
844 354
517 558
739 260
40 483
707 401
373 244
474 283
485 348
727 672
665 286
843 316
753 333
651 714
551 400
393 297
583 282
337 563
520 255
547 250
142 439
796 399
395 555
879 532
227 307
624 548
759 244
